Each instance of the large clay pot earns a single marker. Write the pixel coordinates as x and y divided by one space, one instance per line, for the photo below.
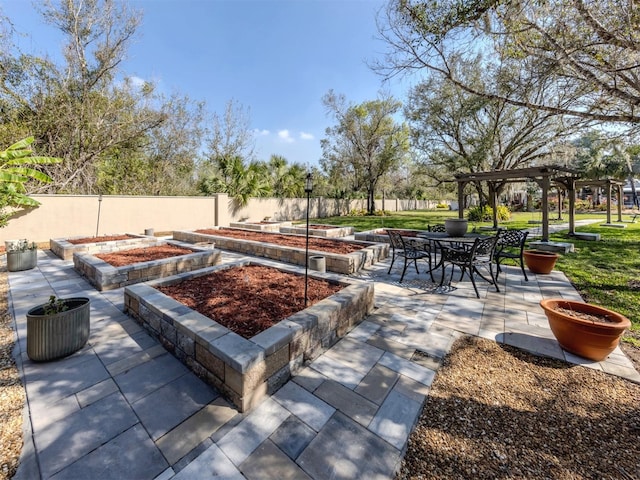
539 261
586 338
56 335
456 227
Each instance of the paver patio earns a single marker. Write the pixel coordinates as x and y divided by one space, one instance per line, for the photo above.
122 407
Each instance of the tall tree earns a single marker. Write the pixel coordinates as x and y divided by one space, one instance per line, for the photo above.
366 142
589 49
230 134
466 133
79 111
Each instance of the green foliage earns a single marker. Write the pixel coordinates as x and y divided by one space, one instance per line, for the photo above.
357 212
16 170
21 245
54 306
582 205
485 213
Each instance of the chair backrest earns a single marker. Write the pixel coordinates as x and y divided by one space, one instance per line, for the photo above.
438 227
395 239
484 247
512 238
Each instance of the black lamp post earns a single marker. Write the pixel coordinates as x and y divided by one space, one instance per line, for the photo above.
308 188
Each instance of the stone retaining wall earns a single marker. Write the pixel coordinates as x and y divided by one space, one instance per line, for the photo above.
246 370
65 249
260 227
339 263
334 232
104 276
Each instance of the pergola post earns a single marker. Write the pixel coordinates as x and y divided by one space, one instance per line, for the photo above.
545 207
571 192
620 201
493 203
559 202
461 186
608 201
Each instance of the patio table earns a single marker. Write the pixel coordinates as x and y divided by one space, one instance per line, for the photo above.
433 241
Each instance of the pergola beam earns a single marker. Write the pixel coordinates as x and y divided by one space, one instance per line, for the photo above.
543 175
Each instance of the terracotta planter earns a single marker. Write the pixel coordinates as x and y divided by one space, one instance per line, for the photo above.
540 262
56 335
586 338
456 227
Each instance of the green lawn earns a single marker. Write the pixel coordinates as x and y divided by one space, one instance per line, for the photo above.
606 272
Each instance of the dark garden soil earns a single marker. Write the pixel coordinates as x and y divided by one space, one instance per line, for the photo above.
318 244
104 238
138 255
248 300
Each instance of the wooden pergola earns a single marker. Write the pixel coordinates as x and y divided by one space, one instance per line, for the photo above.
608 184
544 176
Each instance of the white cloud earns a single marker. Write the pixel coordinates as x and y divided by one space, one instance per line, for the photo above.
285 136
306 136
261 133
134 83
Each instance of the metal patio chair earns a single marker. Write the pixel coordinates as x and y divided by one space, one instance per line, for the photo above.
510 246
469 258
410 250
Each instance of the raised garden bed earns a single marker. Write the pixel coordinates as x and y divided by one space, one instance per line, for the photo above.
270 245
265 226
327 231
247 369
66 247
104 276
380 235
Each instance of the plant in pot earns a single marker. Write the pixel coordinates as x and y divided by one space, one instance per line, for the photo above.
57 328
588 330
539 261
21 255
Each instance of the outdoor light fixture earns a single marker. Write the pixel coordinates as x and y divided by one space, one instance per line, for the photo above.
308 188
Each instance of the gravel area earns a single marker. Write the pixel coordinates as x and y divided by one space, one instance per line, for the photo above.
497 412
11 390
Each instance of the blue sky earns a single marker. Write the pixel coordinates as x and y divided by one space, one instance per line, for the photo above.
276 58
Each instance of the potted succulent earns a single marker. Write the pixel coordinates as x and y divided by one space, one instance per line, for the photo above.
588 330
57 328
21 255
539 261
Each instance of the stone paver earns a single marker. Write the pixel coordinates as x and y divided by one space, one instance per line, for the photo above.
122 407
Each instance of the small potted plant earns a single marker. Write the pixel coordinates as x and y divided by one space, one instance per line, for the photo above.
588 330
57 328
21 255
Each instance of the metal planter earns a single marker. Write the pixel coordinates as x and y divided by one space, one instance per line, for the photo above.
22 260
57 335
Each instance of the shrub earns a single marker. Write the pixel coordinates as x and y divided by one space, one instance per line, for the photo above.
485 213
357 212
